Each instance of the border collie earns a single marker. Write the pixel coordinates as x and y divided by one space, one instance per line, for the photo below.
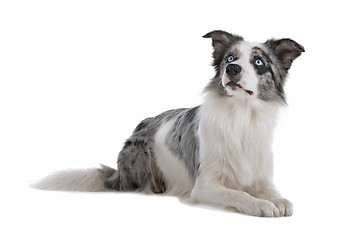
218 153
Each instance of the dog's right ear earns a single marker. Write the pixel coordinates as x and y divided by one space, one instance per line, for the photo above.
286 50
221 41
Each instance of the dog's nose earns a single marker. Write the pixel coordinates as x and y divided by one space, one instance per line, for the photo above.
233 70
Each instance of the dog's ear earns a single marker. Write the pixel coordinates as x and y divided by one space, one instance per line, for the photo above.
286 50
221 41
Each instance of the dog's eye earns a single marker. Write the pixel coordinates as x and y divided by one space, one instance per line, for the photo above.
259 63
230 59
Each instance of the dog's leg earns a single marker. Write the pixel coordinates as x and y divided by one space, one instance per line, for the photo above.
216 194
268 192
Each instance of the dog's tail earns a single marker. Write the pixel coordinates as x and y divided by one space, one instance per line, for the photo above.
85 180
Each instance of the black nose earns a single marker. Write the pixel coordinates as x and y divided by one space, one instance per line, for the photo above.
233 70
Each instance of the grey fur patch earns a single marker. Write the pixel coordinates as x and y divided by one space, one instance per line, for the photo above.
136 161
270 85
267 90
183 140
134 165
215 85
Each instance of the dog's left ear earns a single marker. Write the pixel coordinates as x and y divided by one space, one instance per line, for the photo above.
286 50
221 41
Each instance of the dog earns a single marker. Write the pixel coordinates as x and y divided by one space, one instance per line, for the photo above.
218 153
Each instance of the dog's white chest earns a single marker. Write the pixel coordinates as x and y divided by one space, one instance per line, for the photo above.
235 147
248 158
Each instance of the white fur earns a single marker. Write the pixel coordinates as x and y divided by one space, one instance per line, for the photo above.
249 79
178 180
236 156
87 180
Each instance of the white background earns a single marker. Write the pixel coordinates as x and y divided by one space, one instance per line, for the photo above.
77 76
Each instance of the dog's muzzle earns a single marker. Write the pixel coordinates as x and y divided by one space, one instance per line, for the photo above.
233 70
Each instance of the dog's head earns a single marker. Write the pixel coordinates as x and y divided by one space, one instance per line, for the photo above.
252 70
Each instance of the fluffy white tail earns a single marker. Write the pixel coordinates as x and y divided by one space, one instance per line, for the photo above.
86 180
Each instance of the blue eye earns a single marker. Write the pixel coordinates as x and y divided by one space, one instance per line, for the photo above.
258 62
230 59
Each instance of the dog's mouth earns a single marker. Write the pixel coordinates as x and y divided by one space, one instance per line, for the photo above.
234 85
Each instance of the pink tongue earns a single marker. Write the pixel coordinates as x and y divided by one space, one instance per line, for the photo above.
250 92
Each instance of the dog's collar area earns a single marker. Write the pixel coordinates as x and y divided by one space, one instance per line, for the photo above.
234 84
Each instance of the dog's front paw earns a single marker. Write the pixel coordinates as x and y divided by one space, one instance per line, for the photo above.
262 208
285 207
